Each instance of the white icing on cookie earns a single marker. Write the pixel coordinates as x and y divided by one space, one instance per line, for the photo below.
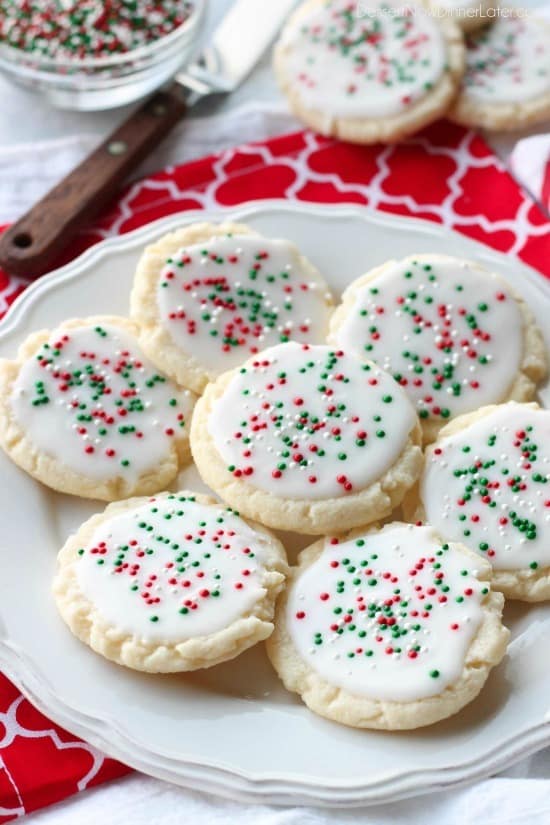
488 487
310 422
90 399
450 334
508 61
387 615
371 59
226 299
173 569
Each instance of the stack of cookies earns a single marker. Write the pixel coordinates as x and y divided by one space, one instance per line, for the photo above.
398 428
380 70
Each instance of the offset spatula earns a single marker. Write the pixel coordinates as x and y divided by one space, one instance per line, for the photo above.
32 244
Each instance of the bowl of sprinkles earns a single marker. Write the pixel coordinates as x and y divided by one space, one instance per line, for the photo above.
91 55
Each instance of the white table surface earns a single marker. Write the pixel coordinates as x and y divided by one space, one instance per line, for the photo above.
520 795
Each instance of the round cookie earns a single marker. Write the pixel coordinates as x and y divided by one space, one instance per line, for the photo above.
468 14
368 71
171 583
390 629
453 335
507 80
208 296
307 438
84 412
486 483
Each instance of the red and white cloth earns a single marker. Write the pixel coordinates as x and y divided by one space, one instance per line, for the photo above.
445 174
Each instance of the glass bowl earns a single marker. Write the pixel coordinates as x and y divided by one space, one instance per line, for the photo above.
95 83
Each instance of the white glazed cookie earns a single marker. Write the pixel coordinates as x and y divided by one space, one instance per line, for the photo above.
507 79
307 438
468 14
368 71
208 296
84 412
389 629
171 583
452 334
486 483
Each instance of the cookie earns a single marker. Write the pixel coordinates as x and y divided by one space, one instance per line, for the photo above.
171 583
208 296
468 14
507 80
452 334
368 71
307 438
84 412
391 629
486 483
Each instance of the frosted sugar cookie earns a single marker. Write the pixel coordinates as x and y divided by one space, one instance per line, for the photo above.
390 629
451 333
307 438
486 483
468 14
369 71
507 79
84 412
209 296
171 583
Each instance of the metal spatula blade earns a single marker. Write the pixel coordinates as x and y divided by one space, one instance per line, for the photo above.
237 44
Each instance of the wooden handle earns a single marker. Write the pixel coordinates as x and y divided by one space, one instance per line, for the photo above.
31 245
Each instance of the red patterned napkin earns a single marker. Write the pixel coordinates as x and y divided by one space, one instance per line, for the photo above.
446 174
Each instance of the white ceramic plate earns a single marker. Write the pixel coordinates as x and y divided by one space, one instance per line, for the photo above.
233 729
